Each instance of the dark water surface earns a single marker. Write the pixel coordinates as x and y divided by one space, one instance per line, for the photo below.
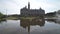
29 27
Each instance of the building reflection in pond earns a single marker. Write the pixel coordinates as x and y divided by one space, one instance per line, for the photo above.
27 23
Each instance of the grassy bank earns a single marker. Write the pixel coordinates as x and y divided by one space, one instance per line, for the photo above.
12 18
30 18
2 19
17 18
27 17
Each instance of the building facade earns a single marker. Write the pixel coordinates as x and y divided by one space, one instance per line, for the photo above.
32 12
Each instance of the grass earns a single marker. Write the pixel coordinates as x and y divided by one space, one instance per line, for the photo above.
30 18
27 17
16 18
2 19
11 18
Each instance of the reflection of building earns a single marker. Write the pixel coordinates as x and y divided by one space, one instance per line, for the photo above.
27 23
32 12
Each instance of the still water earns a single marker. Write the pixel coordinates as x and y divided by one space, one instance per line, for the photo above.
29 27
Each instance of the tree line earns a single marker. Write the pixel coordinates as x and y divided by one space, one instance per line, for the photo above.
2 16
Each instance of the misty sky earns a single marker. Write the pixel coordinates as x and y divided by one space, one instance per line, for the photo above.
14 6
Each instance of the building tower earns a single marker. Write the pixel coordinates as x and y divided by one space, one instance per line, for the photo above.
28 5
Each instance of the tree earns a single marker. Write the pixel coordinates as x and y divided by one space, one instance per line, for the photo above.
1 15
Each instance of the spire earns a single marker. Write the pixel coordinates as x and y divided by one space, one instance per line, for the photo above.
28 5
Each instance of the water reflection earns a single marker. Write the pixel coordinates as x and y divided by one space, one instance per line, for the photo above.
27 23
54 20
2 21
34 26
51 20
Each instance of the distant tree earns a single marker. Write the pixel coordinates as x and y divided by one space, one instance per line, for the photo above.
1 15
51 14
58 11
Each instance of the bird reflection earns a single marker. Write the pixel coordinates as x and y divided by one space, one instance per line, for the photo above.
27 23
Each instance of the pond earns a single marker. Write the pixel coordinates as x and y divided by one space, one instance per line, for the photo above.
29 27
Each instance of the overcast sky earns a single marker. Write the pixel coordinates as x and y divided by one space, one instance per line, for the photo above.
14 6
